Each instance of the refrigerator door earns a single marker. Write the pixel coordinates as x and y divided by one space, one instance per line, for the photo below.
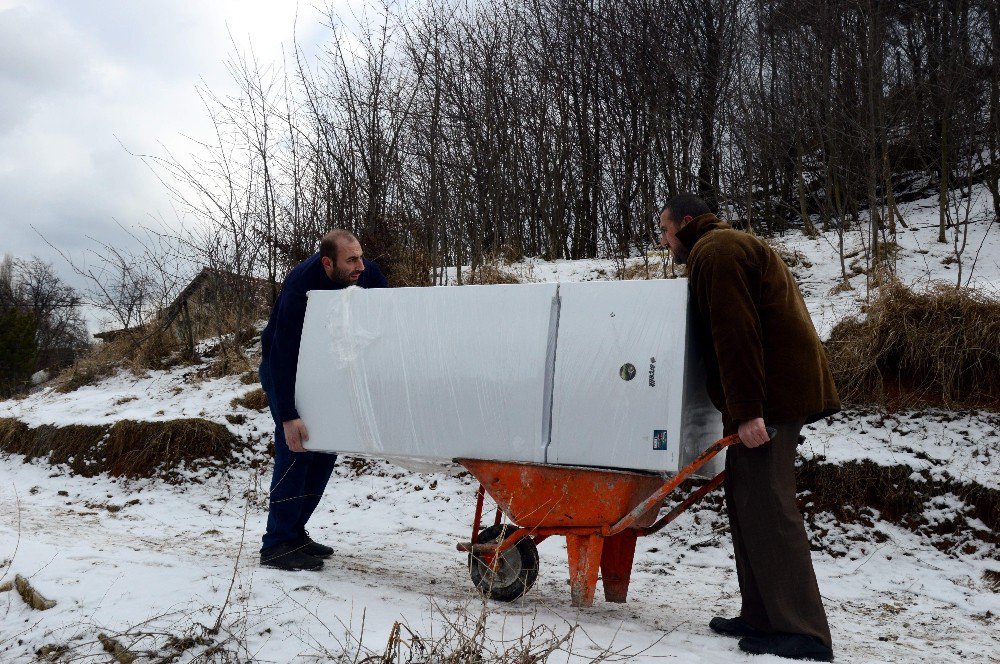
429 373
624 378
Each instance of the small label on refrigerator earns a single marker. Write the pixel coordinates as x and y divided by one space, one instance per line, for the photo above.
627 372
659 439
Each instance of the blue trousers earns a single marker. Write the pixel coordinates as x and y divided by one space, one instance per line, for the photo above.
297 484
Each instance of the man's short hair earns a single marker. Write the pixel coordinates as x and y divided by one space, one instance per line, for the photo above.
332 240
684 205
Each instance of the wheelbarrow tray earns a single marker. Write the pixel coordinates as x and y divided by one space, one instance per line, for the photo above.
600 512
545 496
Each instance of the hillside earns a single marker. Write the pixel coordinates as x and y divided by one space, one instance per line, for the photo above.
909 573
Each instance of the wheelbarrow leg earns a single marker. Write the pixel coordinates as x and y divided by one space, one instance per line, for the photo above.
616 564
584 563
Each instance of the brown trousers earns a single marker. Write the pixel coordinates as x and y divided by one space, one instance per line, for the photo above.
773 563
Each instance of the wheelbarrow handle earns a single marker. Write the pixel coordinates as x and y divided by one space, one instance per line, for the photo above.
630 519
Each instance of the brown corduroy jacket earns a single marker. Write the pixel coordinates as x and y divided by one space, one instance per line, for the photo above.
762 353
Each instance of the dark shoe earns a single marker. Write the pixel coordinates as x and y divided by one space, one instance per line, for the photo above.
790 646
734 627
289 556
314 548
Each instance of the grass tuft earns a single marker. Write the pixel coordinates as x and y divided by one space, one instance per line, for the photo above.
252 400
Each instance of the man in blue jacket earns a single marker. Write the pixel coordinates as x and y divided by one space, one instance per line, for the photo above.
300 477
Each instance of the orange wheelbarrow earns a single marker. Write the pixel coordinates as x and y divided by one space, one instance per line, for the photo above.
600 512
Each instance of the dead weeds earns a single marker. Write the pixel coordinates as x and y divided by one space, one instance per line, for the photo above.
936 347
126 449
141 449
653 267
492 271
252 400
250 377
143 351
793 258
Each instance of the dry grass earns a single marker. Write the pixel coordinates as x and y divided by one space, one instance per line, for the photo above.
492 271
99 362
940 346
140 449
127 449
465 637
252 400
12 433
160 350
250 377
74 445
992 579
413 270
71 445
231 364
793 258
156 351
843 287
28 593
655 266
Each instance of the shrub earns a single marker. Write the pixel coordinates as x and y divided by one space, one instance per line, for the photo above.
414 269
18 349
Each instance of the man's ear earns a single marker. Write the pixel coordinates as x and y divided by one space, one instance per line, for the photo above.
686 220
327 263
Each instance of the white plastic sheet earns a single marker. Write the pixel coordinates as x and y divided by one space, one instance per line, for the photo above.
428 373
598 374
629 385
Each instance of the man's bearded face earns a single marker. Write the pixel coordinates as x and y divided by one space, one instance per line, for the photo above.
349 266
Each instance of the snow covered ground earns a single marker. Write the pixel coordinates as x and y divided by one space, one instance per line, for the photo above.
141 560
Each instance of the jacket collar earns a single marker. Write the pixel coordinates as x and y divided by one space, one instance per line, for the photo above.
698 227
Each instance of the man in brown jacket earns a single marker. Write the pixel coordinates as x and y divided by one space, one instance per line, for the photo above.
765 364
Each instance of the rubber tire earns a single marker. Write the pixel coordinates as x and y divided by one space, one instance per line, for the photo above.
518 580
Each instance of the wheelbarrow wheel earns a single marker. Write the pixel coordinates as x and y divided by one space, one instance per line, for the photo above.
515 572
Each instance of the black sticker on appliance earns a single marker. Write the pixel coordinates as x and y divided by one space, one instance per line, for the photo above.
627 372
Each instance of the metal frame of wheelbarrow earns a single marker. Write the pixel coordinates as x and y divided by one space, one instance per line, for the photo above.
605 544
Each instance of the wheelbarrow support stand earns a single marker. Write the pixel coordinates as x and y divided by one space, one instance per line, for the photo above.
616 564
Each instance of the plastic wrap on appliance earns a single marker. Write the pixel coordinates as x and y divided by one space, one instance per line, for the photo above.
622 395
427 373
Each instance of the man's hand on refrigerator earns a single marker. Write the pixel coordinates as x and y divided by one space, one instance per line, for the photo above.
295 434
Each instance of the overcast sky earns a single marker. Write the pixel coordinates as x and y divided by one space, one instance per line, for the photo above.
81 78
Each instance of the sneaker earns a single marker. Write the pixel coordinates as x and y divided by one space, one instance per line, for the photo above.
314 548
734 627
790 646
289 556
